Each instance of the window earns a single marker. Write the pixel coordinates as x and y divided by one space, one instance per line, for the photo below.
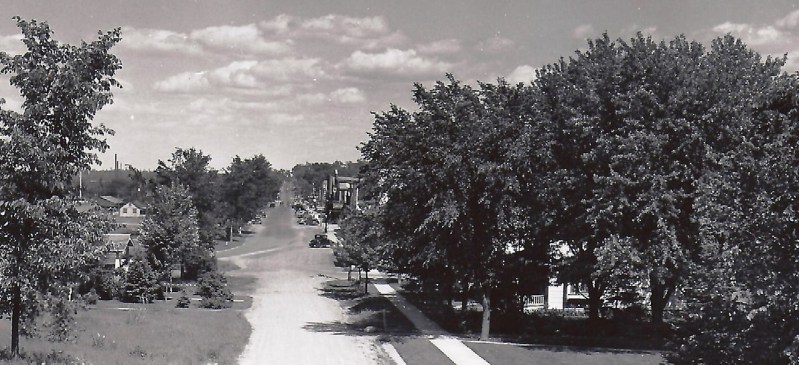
124 210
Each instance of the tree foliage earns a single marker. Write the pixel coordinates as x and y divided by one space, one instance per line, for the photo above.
446 189
247 186
190 168
170 231
44 240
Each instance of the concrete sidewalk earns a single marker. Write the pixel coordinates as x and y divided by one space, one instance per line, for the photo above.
452 347
425 325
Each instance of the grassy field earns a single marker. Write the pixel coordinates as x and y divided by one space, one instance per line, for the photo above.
158 333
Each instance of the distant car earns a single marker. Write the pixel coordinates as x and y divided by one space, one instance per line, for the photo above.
320 240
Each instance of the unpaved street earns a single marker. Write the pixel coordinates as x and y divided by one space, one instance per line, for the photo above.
291 322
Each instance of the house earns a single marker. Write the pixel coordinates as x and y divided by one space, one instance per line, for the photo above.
132 209
119 250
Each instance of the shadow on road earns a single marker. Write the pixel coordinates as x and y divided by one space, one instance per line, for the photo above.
366 314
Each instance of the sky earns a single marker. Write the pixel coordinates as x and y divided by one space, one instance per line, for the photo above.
298 81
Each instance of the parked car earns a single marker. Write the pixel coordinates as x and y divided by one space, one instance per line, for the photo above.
320 240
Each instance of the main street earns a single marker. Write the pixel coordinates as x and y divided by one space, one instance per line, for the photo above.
286 301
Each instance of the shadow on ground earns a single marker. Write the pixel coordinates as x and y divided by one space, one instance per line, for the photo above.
366 314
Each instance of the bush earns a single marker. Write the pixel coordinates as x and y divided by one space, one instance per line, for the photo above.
104 282
212 287
140 283
91 297
183 301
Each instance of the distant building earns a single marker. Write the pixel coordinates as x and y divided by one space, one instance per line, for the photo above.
119 250
131 209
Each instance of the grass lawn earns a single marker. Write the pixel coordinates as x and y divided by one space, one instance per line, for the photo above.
546 328
555 355
156 333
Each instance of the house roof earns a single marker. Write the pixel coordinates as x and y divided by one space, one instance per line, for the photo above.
112 199
117 241
86 206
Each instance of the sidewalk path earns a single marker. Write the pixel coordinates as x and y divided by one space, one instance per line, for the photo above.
453 348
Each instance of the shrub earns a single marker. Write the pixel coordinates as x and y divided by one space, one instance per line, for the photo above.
212 287
91 297
183 301
141 282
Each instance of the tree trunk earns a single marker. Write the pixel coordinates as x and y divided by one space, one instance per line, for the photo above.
661 293
594 303
366 282
16 315
486 324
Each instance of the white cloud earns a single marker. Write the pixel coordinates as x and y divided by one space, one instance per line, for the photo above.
790 21
751 35
279 24
290 69
347 95
776 39
249 76
444 46
158 40
362 33
234 75
523 74
349 26
394 61
494 44
12 44
245 39
584 31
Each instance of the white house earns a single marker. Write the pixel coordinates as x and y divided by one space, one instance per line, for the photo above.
131 210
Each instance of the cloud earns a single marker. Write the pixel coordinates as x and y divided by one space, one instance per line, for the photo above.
584 31
777 38
444 46
158 40
347 95
394 61
362 33
247 75
349 26
234 75
290 69
494 44
752 35
523 74
12 44
245 39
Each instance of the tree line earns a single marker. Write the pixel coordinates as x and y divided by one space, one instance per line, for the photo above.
645 171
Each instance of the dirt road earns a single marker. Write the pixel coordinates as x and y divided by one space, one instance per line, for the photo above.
287 311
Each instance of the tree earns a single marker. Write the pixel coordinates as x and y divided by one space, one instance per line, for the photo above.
170 232
141 281
190 168
360 242
247 186
742 296
42 236
212 287
447 194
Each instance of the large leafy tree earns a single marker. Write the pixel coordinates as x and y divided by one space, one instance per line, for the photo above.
742 296
43 238
190 168
170 231
445 190
247 186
